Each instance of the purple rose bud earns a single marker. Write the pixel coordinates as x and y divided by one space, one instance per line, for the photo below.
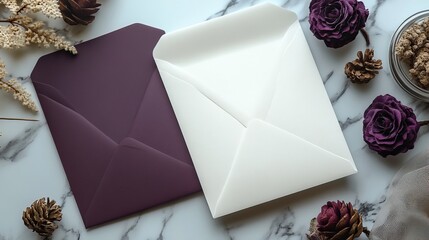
389 128
337 22
331 214
336 220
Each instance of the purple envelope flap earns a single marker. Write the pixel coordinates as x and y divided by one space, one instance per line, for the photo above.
97 73
53 93
75 137
146 175
161 123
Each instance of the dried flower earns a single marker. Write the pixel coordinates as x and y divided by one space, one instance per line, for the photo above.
337 22
19 93
413 48
390 128
12 5
21 30
49 8
16 89
337 221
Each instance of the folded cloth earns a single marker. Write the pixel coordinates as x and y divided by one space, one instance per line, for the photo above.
405 214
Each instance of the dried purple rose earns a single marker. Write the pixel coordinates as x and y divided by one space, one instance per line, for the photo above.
337 220
390 128
337 22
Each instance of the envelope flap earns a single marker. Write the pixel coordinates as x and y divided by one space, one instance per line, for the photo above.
94 80
242 28
212 135
156 125
52 93
139 177
84 150
293 164
231 61
300 90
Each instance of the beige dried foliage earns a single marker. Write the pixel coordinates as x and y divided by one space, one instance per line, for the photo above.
49 8
16 89
11 37
21 29
12 5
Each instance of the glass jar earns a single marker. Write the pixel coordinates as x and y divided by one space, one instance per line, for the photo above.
399 69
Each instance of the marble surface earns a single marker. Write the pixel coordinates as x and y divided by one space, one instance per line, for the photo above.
30 167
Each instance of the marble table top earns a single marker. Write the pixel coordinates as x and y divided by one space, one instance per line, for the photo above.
30 167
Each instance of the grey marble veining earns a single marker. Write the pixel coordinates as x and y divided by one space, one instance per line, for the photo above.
64 198
224 11
68 233
10 151
131 228
373 15
283 226
369 210
30 168
334 99
165 221
328 76
350 121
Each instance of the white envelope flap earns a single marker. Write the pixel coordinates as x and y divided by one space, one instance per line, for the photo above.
211 134
300 103
269 164
232 63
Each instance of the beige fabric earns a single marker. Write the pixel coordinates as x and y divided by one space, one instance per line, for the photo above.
405 214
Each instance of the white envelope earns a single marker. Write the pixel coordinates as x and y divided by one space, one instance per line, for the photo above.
252 108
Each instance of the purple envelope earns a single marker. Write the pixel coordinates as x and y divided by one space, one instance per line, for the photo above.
113 125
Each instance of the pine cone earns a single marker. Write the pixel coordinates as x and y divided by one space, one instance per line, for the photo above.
364 68
337 221
41 216
78 11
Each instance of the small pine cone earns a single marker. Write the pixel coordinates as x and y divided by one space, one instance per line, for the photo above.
337 221
78 11
364 68
41 216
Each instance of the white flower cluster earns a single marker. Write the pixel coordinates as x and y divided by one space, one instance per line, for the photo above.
17 90
21 29
12 5
50 8
11 36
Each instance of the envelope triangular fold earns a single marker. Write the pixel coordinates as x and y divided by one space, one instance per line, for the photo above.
300 90
159 129
215 133
139 166
268 163
90 161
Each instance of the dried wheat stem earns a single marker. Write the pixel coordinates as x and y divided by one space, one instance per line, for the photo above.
10 85
19 119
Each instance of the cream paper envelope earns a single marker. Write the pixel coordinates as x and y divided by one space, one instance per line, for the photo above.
252 108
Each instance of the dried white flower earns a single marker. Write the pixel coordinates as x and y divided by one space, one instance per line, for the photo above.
20 30
12 37
16 89
50 8
37 33
12 5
